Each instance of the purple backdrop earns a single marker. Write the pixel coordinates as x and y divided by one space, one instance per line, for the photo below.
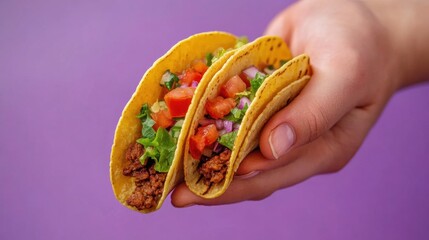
67 69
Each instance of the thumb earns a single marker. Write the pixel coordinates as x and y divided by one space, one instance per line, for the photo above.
319 106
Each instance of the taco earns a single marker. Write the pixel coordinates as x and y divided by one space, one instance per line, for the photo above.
258 80
146 157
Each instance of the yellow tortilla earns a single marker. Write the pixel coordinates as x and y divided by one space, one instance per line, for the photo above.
263 51
281 100
128 130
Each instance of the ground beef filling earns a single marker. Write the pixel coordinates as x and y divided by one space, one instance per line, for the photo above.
214 169
149 182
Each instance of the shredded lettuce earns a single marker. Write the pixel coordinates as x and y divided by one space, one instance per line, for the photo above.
212 58
218 54
147 122
175 130
159 146
255 83
228 139
169 80
144 112
236 115
147 130
209 58
241 41
161 149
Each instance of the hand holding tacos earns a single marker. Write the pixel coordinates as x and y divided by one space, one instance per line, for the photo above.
205 102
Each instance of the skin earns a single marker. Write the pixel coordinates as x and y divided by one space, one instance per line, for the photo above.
361 53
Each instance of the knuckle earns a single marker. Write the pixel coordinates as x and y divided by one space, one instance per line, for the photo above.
317 123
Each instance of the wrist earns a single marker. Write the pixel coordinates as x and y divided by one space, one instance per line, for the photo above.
407 35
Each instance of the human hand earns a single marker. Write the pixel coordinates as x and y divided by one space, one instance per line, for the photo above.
356 70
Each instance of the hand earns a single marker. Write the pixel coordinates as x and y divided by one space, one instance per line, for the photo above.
356 70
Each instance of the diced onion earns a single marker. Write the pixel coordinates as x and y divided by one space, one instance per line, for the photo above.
194 84
227 126
236 126
184 85
165 77
158 106
218 148
251 72
243 102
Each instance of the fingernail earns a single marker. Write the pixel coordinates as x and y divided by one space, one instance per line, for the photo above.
247 175
281 139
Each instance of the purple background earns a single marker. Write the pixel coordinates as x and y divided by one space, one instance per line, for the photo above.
68 68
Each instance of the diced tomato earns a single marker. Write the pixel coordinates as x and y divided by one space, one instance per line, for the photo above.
178 101
209 133
162 119
232 86
245 79
200 67
196 146
188 76
205 136
219 107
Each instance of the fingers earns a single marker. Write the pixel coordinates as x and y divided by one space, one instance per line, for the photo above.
329 153
254 188
256 162
347 136
328 96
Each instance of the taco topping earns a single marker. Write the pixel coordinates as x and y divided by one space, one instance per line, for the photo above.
215 168
214 138
149 182
178 101
150 158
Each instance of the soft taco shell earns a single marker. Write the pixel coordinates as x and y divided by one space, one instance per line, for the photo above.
128 130
263 51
